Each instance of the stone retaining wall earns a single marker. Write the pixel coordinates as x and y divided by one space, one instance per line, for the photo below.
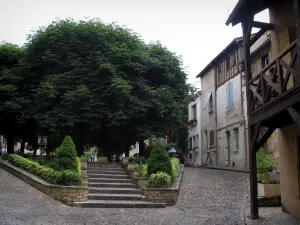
64 194
160 195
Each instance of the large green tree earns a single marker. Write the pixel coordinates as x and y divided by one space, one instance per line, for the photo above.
102 84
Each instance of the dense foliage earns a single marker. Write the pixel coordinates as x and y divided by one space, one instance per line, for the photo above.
159 160
99 83
264 162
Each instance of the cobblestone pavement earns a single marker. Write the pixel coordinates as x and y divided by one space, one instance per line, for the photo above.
208 197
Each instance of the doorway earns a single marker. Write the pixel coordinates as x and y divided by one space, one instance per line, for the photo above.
228 146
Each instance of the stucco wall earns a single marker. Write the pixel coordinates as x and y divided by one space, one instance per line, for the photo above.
289 175
208 120
193 131
228 121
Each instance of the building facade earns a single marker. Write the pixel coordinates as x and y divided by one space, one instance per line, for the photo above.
208 117
194 138
224 111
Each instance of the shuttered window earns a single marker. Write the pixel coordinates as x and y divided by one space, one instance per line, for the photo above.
229 96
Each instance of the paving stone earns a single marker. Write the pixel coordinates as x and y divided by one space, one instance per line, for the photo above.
207 197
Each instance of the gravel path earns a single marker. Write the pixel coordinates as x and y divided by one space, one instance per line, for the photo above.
208 197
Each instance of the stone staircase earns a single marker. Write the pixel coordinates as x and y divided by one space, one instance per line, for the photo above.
110 187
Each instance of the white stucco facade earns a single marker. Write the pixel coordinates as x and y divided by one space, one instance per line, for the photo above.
194 137
231 126
208 119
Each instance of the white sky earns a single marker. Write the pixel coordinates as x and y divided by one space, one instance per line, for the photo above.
194 29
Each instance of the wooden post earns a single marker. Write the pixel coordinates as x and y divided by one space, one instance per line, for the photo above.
246 25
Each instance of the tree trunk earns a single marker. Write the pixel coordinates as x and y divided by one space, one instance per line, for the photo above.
22 146
10 143
141 148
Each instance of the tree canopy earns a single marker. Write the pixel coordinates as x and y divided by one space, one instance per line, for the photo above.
100 83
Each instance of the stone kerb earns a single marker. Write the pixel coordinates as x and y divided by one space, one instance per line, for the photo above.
64 194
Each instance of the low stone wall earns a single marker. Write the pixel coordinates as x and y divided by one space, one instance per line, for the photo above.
166 195
64 194
160 195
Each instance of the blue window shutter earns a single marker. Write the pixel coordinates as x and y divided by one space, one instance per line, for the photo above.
231 95
227 94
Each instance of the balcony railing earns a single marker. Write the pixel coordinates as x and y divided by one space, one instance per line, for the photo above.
274 80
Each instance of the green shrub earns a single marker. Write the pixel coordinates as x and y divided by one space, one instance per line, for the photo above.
263 161
87 154
140 160
159 160
143 170
66 164
48 174
4 156
67 149
131 159
102 159
160 180
175 165
68 178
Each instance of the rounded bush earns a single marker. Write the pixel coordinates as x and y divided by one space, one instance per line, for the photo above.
159 160
160 180
67 149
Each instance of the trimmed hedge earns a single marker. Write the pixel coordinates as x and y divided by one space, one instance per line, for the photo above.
64 177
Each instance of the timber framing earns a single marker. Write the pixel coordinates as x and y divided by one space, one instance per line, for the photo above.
273 95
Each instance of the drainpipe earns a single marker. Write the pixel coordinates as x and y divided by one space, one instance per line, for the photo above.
216 135
242 107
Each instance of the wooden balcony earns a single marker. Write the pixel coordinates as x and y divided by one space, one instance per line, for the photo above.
276 90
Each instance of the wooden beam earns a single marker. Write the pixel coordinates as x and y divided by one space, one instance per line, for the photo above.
247 28
260 33
260 142
297 15
262 25
295 115
275 106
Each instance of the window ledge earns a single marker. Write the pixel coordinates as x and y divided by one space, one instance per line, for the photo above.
212 146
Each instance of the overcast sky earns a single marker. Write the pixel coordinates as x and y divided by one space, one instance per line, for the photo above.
194 29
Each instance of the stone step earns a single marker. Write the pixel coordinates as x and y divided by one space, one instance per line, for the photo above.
125 197
104 165
114 171
112 185
114 190
105 169
118 204
112 176
108 180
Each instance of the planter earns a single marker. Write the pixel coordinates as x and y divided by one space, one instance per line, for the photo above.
142 182
269 190
125 160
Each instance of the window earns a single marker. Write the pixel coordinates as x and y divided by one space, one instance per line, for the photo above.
197 140
210 104
194 112
229 96
191 143
212 138
264 61
237 139
194 140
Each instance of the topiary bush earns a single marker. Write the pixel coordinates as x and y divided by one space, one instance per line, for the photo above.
159 160
160 180
67 149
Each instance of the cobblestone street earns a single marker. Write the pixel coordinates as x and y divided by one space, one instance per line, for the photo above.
208 197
